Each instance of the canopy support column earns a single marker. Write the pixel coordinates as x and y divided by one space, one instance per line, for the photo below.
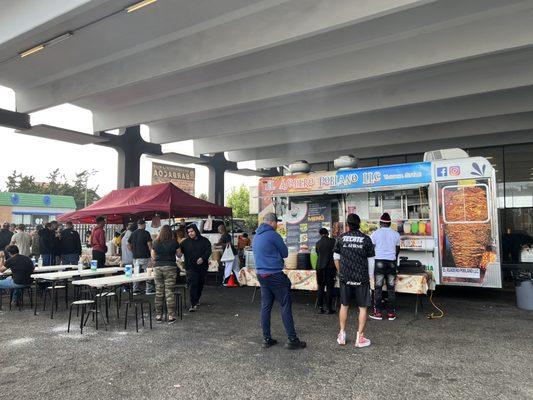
218 165
130 146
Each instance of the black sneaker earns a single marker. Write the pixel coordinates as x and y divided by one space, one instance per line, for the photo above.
331 312
268 343
295 344
193 308
321 311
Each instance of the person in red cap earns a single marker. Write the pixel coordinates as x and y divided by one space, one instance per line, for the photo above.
387 248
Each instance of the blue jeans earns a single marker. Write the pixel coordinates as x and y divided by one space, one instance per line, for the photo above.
8 283
276 287
70 259
48 259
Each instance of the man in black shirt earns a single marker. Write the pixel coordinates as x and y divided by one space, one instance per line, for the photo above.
47 242
21 269
197 250
5 236
69 245
325 270
351 254
140 244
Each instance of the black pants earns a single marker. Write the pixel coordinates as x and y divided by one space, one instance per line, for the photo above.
99 257
196 281
385 271
325 278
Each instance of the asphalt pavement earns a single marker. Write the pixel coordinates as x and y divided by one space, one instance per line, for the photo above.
481 349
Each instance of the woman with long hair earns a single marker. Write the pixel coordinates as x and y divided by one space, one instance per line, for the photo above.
165 269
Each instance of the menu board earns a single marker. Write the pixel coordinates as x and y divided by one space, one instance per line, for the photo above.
304 220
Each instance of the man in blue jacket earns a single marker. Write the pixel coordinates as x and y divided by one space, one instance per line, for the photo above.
269 252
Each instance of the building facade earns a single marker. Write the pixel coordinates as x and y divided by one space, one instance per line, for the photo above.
33 209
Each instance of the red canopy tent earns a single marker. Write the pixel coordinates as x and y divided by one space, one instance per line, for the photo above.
164 199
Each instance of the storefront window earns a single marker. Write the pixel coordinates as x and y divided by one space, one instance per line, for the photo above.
392 160
517 235
412 158
367 162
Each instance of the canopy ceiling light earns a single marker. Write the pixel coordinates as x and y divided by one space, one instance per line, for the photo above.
41 46
141 4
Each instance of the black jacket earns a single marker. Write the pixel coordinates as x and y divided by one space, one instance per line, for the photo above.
70 242
324 249
47 239
5 238
195 249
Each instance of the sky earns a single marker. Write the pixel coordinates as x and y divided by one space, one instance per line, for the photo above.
38 157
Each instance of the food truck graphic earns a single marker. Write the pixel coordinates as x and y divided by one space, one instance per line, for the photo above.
445 212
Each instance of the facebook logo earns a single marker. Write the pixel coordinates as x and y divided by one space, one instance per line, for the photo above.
442 171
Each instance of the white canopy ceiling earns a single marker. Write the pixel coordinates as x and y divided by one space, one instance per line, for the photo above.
278 80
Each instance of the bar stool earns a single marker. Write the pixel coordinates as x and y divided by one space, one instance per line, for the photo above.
48 292
83 304
29 289
138 303
178 308
183 287
107 300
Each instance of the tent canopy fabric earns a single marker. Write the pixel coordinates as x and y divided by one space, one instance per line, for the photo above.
164 199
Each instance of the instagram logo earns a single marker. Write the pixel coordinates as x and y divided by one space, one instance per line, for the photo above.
454 171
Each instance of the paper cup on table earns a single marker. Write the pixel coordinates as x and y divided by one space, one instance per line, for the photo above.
149 271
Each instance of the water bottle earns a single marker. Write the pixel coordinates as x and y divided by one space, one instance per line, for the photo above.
127 270
40 262
80 266
34 261
137 268
94 265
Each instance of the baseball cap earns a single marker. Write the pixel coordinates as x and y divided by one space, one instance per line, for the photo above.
385 218
271 217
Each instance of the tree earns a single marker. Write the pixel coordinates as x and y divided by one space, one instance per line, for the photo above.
57 184
239 201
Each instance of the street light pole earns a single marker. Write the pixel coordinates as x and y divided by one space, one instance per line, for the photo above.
86 182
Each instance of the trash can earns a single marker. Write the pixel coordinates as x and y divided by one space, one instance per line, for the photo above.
524 291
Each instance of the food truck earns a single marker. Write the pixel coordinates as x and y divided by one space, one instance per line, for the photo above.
444 209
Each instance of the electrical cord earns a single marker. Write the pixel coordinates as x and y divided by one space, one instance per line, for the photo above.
433 315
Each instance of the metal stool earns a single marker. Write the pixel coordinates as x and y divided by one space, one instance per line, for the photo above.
21 304
184 288
48 290
106 296
178 308
138 304
83 304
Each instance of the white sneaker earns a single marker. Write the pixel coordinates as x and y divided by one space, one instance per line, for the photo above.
362 341
341 338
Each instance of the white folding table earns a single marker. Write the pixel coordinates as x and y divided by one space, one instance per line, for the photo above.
63 275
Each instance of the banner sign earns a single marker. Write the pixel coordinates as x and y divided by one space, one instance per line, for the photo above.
182 177
339 181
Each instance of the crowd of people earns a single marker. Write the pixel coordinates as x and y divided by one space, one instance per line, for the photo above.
348 256
54 243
